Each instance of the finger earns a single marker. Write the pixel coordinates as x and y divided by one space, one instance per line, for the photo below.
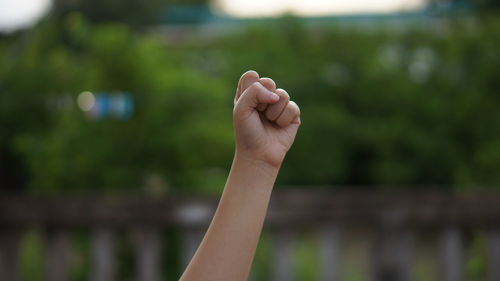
274 111
253 96
247 79
271 86
290 115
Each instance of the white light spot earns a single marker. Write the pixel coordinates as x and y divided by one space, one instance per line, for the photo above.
424 60
17 14
194 213
86 101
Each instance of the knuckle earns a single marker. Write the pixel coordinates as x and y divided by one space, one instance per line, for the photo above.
294 107
268 81
282 93
255 86
248 74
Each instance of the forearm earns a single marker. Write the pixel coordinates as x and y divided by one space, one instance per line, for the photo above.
227 250
265 123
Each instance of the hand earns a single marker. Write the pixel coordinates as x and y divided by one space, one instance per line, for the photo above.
265 120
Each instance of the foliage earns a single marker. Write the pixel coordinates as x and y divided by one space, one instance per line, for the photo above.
408 106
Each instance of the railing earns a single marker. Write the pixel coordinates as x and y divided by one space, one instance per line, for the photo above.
393 221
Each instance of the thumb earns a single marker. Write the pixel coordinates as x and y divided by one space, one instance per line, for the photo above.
254 95
247 79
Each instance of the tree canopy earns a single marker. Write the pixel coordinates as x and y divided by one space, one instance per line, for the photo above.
380 106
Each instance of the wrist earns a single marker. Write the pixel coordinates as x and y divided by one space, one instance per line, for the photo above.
264 157
261 167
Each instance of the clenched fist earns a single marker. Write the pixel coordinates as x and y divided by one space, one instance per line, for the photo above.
265 120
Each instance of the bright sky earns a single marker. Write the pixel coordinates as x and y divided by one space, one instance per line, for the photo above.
15 14
253 8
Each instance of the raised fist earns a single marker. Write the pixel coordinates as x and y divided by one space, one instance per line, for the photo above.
265 120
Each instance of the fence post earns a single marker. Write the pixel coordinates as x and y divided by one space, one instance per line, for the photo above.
392 254
451 254
147 241
330 251
56 254
9 253
493 247
282 255
102 254
194 219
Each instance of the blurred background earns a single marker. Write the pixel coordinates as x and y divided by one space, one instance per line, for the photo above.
116 136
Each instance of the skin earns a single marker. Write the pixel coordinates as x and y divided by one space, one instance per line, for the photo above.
265 124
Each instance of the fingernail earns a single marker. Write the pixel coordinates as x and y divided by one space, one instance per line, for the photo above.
274 96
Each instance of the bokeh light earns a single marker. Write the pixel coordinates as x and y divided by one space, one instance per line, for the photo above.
86 101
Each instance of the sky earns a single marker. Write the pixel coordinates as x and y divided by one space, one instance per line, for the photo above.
246 8
18 14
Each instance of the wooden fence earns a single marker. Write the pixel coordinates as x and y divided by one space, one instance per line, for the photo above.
394 219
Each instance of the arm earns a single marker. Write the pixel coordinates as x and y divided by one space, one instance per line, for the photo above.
265 123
